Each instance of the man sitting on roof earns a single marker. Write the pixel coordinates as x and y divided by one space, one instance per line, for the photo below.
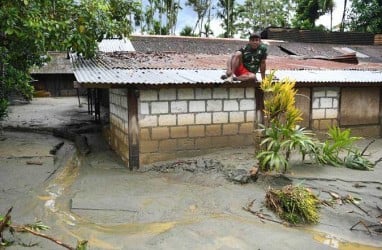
245 63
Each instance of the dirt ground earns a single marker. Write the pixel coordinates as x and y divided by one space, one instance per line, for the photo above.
193 203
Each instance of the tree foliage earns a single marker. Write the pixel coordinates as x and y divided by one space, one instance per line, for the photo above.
30 28
255 15
366 16
308 11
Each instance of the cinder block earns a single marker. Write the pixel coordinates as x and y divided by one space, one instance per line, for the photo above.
236 117
214 105
220 117
332 92
230 129
167 145
160 133
246 128
331 113
220 93
179 107
202 93
326 102
214 130
319 92
186 144
231 105
250 92
167 120
335 103
159 108
325 124
250 116
167 94
203 118
186 94
236 93
148 146
148 121
247 104
186 119
196 131
318 113
178 132
316 103
144 108
148 95
197 106
144 134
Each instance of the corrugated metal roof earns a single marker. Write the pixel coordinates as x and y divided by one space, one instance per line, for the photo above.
95 71
112 45
331 76
98 72
148 76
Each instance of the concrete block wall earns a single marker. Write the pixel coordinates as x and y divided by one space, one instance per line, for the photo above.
179 122
325 107
118 134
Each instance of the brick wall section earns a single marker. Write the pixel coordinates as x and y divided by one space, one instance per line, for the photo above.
177 122
325 107
118 134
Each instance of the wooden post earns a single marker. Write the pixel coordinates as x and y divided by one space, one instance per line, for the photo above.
132 99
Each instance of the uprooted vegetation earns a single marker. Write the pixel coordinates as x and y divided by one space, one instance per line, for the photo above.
282 135
8 231
294 204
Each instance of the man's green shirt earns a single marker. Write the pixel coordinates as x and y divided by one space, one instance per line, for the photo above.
253 57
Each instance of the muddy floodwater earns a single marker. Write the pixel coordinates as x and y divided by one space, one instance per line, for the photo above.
188 203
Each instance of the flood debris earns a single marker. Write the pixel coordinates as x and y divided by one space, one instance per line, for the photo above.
338 199
34 162
369 227
294 204
261 215
6 224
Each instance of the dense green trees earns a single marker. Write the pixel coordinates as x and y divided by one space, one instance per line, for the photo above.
366 16
30 28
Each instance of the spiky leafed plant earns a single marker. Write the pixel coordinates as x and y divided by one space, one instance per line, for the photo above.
281 130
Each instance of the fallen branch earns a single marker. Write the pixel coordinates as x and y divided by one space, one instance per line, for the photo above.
363 210
21 229
261 215
363 223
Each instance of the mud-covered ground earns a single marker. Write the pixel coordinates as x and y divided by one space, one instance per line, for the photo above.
189 203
